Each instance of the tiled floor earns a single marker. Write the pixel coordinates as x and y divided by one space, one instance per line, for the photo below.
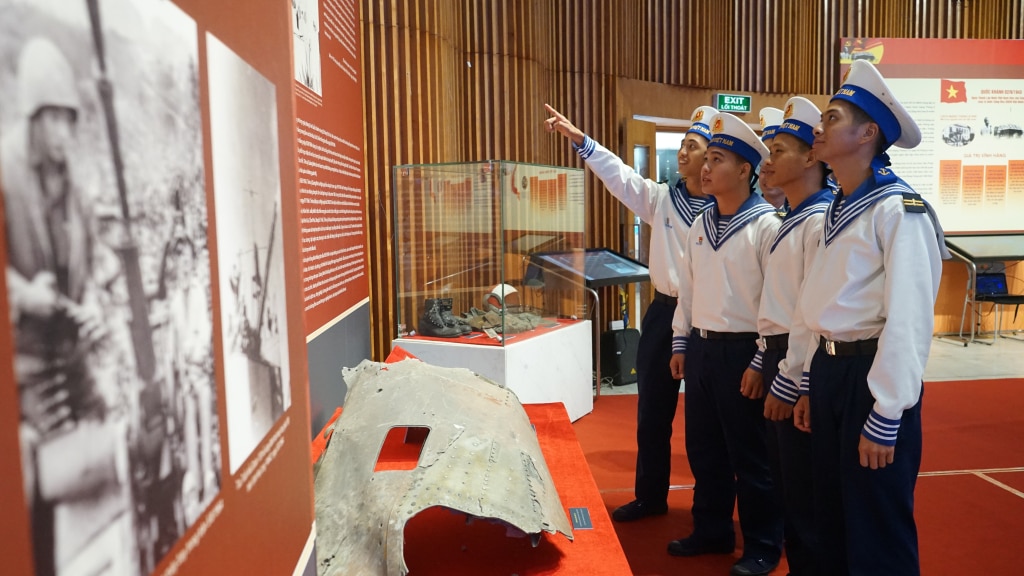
948 360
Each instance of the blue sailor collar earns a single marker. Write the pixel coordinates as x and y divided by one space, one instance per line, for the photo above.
751 209
687 206
846 209
816 203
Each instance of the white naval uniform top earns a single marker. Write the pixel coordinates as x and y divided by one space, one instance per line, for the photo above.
723 270
789 257
875 274
670 212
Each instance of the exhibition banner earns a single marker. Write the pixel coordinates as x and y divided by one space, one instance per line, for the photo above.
328 138
155 412
329 126
967 96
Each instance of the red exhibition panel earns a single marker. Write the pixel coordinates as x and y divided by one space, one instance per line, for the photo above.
155 412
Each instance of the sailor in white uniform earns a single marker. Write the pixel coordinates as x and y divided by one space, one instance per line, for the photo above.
670 212
770 118
868 302
714 339
792 167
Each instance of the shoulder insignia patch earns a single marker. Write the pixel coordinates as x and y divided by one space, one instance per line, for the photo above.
912 202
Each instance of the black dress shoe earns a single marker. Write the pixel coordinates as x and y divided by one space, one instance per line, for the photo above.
695 546
638 509
753 567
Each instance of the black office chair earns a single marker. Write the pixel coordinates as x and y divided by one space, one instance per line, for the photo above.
991 287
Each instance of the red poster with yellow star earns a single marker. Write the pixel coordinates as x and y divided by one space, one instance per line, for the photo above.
967 96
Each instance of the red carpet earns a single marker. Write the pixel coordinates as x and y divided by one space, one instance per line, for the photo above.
608 438
968 425
966 525
1014 480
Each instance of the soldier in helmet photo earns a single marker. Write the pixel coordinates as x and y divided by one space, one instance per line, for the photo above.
108 280
52 283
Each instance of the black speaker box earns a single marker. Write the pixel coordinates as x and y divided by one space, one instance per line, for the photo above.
618 355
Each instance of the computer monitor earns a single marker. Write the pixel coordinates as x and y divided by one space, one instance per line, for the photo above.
597 266
991 284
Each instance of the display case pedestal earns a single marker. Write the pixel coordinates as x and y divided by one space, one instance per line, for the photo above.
552 367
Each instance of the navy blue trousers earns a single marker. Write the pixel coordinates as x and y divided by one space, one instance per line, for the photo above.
657 397
726 447
789 452
865 517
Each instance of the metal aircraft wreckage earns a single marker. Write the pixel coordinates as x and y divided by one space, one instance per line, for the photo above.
480 457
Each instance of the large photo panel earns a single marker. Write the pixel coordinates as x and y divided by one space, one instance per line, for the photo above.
108 279
247 195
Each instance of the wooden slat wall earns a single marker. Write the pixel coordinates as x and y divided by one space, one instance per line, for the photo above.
465 80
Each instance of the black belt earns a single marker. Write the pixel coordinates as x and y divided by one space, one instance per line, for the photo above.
857 348
664 298
776 342
712 335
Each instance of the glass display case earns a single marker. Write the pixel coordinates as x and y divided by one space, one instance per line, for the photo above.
464 236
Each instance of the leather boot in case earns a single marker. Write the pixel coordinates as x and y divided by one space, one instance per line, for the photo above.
432 321
451 319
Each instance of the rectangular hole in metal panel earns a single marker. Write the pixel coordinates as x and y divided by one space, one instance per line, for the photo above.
401 449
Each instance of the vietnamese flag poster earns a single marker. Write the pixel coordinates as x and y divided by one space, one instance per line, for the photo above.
967 96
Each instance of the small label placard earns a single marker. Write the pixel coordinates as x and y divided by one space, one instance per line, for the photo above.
581 519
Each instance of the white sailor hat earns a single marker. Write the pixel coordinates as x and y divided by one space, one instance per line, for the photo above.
800 118
733 134
770 120
700 121
865 87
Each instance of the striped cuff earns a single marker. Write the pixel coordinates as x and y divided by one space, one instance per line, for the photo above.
805 384
785 389
881 430
679 344
585 149
757 363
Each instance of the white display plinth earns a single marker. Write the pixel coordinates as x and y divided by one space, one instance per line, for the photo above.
553 367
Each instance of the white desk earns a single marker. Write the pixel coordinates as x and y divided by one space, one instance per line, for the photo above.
979 249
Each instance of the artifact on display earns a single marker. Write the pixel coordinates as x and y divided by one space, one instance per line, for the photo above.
480 457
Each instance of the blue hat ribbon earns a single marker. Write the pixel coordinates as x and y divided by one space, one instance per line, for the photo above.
701 129
880 167
801 130
734 144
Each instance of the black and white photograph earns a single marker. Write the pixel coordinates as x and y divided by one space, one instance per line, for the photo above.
957 135
306 44
108 275
247 197
1001 129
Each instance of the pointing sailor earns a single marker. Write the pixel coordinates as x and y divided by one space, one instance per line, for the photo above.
670 211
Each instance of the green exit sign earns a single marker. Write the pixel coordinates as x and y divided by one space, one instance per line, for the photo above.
732 103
